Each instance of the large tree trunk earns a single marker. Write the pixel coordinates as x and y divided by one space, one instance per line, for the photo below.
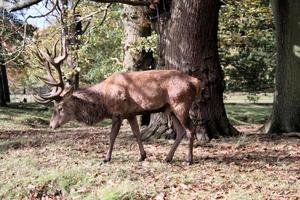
286 109
2 92
190 45
4 88
2 95
5 83
136 25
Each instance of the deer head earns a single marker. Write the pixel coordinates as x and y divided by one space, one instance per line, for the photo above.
60 92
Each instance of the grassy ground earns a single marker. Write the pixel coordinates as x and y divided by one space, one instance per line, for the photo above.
66 164
18 116
244 114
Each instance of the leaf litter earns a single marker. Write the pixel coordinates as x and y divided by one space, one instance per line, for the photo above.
67 164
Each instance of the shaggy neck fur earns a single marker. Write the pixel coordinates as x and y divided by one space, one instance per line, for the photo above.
88 107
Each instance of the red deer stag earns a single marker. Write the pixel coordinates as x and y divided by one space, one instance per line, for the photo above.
123 96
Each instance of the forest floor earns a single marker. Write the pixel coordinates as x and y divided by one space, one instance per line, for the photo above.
36 162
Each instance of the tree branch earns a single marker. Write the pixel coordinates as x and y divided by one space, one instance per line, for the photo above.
43 15
11 7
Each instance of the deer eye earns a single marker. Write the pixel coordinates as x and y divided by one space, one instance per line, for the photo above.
60 109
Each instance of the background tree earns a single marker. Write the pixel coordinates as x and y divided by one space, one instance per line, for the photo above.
136 25
103 35
188 38
12 44
2 93
4 90
247 45
286 110
72 26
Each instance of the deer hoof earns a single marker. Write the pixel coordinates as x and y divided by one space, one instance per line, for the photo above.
142 158
189 161
168 160
106 160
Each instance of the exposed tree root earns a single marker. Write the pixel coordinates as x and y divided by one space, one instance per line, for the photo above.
292 134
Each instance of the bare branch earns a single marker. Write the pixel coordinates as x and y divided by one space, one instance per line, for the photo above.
27 3
105 14
11 7
43 15
75 6
86 26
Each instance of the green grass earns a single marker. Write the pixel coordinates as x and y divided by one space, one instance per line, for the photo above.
241 114
245 98
30 115
18 115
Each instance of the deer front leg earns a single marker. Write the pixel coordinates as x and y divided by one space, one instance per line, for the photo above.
116 124
136 132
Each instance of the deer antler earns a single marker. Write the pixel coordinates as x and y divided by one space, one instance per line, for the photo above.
46 58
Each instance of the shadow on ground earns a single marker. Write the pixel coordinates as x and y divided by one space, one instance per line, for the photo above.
247 149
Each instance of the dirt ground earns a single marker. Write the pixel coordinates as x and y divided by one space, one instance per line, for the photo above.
67 164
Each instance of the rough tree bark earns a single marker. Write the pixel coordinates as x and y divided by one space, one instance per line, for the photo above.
2 96
286 108
5 83
136 25
189 42
2 82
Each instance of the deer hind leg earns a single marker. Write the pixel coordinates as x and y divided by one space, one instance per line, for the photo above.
116 124
136 132
182 113
179 135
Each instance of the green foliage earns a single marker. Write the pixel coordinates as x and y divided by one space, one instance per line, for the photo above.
11 30
101 52
146 43
247 45
12 45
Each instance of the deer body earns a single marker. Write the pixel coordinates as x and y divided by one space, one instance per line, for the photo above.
122 96
125 95
132 93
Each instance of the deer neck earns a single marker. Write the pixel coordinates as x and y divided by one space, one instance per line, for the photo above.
89 107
